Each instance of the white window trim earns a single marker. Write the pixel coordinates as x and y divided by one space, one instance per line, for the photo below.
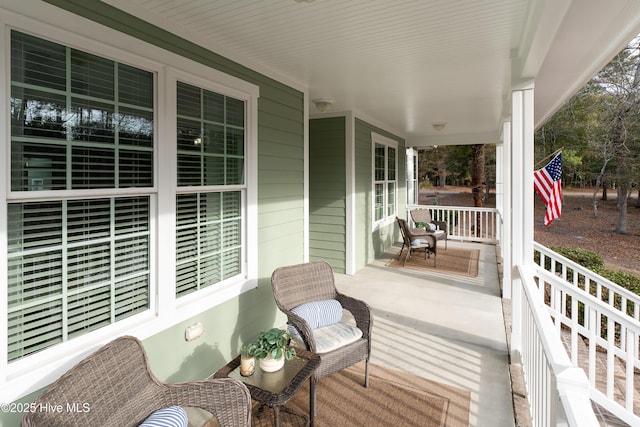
386 220
49 22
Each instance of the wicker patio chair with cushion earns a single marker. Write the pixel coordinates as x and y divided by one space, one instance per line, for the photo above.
115 387
438 228
307 294
416 240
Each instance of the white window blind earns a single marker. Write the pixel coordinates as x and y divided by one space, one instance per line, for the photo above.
74 266
78 121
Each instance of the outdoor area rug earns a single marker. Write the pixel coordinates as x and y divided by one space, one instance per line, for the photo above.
452 260
393 398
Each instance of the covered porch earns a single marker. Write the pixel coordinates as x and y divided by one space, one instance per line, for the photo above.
400 76
444 327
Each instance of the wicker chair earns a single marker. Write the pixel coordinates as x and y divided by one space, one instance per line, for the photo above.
115 387
304 283
416 240
424 216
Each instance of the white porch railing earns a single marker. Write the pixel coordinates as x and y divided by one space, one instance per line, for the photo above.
557 391
597 321
465 223
580 331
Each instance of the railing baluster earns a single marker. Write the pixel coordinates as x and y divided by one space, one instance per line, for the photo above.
574 331
611 336
593 321
632 351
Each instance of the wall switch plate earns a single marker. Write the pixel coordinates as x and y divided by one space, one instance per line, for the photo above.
194 331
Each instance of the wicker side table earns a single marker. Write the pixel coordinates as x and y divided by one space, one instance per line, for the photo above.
275 389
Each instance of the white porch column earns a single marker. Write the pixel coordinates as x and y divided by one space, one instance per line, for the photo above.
503 203
521 201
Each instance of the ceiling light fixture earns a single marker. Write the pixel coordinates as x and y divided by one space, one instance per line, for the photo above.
438 126
323 104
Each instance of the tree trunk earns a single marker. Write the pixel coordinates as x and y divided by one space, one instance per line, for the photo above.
599 181
623 194
477 175
477 181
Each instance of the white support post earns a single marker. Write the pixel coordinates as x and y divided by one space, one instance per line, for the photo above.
522 201
503 203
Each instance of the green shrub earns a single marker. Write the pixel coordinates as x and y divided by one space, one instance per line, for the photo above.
585 258
628 281
595 263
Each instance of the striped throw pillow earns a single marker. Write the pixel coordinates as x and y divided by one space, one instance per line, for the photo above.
320 313
173 416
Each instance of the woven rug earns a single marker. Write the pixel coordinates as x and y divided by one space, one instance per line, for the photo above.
393 398
452 260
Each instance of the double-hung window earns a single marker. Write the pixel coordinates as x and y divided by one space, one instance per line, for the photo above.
385 180
82 190
211 188
129 198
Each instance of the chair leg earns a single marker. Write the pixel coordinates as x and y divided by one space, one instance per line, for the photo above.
401 249
366 373
312 396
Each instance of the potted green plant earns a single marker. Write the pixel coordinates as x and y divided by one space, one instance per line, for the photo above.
271 349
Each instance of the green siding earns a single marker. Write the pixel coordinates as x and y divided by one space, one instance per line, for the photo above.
327 191
280 211
369 243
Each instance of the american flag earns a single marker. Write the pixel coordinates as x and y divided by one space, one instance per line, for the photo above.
548 184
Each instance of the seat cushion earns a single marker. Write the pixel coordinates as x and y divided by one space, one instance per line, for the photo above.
324 319
419 243
199 417
328 338
172 416
320 313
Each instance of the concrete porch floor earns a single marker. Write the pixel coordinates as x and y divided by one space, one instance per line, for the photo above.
444 327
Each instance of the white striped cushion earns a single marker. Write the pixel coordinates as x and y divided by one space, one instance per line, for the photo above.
329 338
173 416
320 313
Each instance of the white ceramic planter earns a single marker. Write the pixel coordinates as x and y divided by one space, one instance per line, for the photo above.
269 364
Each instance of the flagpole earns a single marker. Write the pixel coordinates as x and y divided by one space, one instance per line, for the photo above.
549 156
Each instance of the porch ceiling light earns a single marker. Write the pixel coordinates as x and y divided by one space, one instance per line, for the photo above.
438 126
323 104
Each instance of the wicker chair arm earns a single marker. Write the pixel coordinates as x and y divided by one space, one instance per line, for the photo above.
442 225
228 399
303 329
361 313
431 238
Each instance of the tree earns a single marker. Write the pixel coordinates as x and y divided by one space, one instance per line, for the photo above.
477 174
619 86
601 127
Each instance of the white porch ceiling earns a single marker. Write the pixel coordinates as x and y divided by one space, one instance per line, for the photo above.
404 64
